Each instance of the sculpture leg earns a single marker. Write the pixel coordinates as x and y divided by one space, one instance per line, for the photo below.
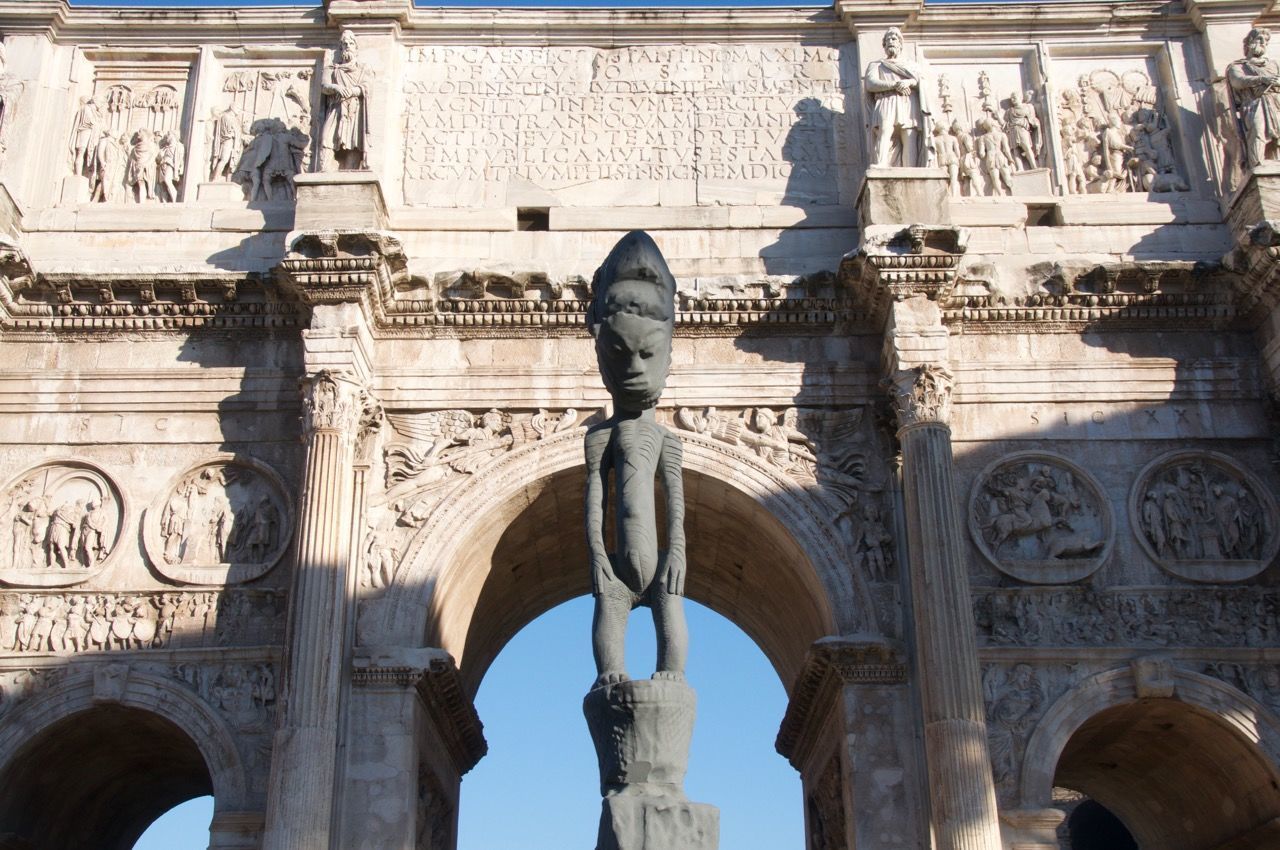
672 633
911 154
609 632
882 146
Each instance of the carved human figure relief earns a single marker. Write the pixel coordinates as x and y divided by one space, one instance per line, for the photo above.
1040 519
261 138
1115 135
59 524
1203 517
1015 698
346 133
899 107
1254 85
225 521
126 139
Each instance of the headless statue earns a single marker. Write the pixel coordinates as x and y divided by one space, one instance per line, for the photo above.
632 317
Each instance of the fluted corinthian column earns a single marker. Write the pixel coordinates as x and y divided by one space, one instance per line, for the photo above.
300 801
962 791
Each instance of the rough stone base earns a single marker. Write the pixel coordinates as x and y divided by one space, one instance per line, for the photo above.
904 196
657 823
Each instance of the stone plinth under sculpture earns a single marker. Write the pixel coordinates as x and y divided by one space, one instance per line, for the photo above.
641 729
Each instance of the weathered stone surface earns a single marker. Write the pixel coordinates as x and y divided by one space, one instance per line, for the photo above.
649 823
642 729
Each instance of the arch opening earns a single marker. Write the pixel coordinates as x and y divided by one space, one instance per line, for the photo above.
1175 775
529 555
98 778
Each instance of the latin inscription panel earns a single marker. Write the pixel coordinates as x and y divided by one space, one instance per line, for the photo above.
662 124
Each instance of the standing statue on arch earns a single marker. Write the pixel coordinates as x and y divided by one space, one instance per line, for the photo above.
344 138
901 131
632 318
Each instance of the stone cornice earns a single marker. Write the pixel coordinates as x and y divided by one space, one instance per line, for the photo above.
916 260
433 673
830 664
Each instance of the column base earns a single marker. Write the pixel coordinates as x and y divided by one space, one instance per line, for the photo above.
657 823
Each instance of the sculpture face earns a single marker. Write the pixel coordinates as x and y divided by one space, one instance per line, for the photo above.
633 347
1255 46
892 44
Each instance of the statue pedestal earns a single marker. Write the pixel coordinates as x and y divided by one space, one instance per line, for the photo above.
340 200
641 730
904 196
1257 200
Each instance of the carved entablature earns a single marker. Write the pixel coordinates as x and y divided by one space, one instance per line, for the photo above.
227 520
890 266
62 522
1202 517
1041 519
1069 297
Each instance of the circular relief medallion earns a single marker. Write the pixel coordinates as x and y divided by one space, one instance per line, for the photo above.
225 521
61 523
1041 519
1203 518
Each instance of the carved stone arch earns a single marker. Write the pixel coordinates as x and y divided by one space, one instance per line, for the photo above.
1193 711
436 589
81 693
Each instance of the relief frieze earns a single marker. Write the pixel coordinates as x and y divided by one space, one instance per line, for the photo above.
225 521
61 522
1040 519
1202 517
1080 616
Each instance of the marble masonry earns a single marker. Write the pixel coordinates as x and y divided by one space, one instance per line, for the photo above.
974 374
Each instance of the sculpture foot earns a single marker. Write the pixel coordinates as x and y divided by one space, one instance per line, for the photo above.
669 675
611 677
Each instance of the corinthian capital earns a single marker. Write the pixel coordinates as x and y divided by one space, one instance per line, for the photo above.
332 401
921 394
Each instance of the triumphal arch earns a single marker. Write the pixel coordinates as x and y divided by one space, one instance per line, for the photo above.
976 347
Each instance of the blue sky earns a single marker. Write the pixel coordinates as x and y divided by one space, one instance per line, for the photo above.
538 787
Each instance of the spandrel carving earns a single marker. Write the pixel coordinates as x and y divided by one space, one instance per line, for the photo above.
61 522
439 445
226 521
1040 519
1203 518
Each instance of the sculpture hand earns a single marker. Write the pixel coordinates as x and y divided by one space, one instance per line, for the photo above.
902 87
601 573
671 572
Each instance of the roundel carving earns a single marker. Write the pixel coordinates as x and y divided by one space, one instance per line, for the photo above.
62 522
225 521
1041 519
1202 517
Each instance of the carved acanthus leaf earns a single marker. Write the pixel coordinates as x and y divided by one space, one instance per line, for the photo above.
921 394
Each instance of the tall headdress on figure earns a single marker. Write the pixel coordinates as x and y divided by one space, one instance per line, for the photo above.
635 258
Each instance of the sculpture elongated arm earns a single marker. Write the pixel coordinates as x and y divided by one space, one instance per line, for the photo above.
596 449
672 470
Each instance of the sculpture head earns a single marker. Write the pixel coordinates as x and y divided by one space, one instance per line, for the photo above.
347 52
892 42
632 317
1015 98
1255 43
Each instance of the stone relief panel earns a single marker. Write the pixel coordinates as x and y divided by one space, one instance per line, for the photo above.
225 521
1040 519
825 802
1155 617
990 126
1202 517
126 134
1262 681
434 812
61 523
641 125
11 92
259 135
1116 131
74 622
1015 699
